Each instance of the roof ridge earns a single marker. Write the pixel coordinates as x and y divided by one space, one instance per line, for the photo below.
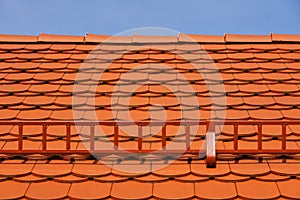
200 38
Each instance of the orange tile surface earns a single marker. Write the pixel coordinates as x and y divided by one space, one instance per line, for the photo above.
261 80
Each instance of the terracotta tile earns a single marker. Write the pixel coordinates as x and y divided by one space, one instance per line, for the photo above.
235 114
48 76
8 189
14 88
247 38
215 190
59 38
100 115
91 189
62 47
253 88
263 190
201 38
47 190
12 169
250 169
277 76
288 46
159 89
17 38
248 76
19 76
70 101
241 56
30 179
287 100
102 101
179 190
90 170
272 178
34 114
290 56
238 47
11 100
36 46
285 37
282 88
174 169
8 114
259 100
66 115
291 114
289 189
95 38
133 115
38 100
232 178
52 170
280 168
138 190
164 101
43 88
265 114
200 169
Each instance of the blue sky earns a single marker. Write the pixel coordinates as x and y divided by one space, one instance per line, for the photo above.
215 17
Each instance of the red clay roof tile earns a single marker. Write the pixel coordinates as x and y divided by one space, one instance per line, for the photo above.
285 37
59 38
265 190
17 38
215 190
247 38
201 38
92 190
47 190
261 81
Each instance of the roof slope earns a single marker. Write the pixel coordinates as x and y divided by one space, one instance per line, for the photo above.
261 76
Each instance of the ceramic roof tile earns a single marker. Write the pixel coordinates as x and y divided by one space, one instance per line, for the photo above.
215 190
8 189
247 38
36 83
201 38
47 190
154 39
17 38
179 190
59 38
285 37
138 190
92 190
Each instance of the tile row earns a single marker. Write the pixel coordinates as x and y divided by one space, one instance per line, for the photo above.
227 181
156 48
136 115
31 67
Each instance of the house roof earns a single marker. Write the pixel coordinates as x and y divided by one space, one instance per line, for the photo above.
261 76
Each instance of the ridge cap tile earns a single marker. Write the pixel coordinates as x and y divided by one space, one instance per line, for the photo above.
43 37
89 37
153 39
285 37
201 38
18 38
115 39
247 38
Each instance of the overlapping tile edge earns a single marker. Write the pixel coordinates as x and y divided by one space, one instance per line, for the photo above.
270 179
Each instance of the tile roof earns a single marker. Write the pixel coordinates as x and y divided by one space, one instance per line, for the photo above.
261 80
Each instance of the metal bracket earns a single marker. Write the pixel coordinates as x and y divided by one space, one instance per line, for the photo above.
210 150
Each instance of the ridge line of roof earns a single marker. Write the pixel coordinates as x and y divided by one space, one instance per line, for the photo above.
97 38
